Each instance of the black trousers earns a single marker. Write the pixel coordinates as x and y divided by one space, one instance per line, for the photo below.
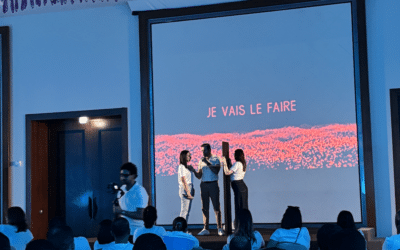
210 190
241 196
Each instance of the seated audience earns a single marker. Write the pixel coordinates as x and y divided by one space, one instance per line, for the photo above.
393 242
245 229
149 218
104 237
149 241
240 243
4 242
61 237
81 243
291 235
347 239
16 229
346 221
324 235
121 231
40 245
178 237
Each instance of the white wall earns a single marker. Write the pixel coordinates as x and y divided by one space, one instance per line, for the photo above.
69 61
383 36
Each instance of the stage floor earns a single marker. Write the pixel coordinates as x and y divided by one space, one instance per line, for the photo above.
216 242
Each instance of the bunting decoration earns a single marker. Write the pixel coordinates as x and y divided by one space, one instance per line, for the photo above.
14 5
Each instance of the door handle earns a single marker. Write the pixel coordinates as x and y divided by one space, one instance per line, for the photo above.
90 208
95 208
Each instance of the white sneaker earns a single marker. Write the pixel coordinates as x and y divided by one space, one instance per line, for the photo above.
204 232
220 232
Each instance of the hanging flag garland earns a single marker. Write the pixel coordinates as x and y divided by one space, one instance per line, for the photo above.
14 4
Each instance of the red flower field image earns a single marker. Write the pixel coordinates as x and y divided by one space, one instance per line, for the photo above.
289 148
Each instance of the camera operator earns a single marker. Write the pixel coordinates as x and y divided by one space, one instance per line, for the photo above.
133 199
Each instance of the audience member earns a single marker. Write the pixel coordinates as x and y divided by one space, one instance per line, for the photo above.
149 241
245 229
347 239
4 242
81 243
240 243
61 237
324 235
393 242
346 221
291 235
149 218
16 229
178 237
104 237
40 245
120 229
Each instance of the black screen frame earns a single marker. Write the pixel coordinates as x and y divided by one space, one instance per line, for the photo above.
147 18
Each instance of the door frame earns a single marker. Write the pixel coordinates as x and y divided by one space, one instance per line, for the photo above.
46 118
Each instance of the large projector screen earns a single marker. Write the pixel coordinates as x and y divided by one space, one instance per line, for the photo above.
278 84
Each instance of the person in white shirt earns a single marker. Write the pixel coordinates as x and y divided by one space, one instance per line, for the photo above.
346 221
16 229
132 199
120 229
291 234
237 172
104 237
245 228
149 218
61 237
393 242
179 236
209 167
81 243
186 190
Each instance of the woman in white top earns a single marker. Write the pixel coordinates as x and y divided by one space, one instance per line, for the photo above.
291 235
237 172
393 242
17 230
245 229
178 238
186 190
149 218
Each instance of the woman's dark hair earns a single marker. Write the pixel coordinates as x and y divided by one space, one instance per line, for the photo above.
239 156
4 242
244 225
104 236
40 245
149 216
179 224
183 159
149 241
291 218
16 217
240 243
345 220
397 221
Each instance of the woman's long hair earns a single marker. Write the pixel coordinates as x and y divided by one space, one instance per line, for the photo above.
291 218
397 221
179 224
239 156
245 225
183 158
345 220
16 217
149 216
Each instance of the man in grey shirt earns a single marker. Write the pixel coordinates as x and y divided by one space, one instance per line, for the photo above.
208 170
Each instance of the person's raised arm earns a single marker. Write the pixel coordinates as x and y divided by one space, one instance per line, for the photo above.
199 173
225 165
214 168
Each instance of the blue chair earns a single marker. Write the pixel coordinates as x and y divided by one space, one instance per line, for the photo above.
175 243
